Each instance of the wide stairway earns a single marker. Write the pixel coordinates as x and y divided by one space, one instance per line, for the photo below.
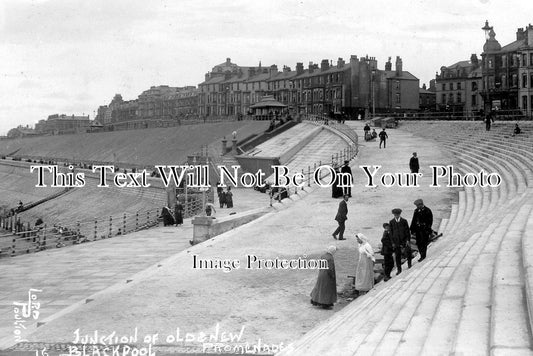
473 295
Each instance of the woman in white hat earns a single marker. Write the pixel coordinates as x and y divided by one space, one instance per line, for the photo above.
364 275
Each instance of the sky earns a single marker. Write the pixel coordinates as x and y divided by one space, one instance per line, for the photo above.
71 56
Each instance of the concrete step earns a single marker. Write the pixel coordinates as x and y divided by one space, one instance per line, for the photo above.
509 317
527 260
473 329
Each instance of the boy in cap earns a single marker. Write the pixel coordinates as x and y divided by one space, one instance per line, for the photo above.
387 251
400 238
421 227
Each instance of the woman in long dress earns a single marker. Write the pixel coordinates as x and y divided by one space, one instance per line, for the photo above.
364 275
178 212
168 219
324 293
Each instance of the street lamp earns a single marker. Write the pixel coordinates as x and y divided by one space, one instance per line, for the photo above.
373 95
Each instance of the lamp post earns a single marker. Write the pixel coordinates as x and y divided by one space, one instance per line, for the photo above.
373 95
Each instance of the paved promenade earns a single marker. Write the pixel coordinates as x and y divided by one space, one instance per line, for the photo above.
166 292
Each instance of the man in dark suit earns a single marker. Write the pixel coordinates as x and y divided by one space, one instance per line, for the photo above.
413 163
400 236
346 169
341 217
421 227
383 138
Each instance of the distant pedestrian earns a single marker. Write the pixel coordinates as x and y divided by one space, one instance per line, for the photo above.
364 275
413 163
401 239
168 219
324 294
489 119
366 129
348 171
210 210
383 138
336 191
387 251
178 212
341 217
229 198
421 227
517 130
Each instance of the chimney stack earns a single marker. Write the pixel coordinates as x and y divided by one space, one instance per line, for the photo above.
324 65
273 70
228 61
340 62
311 67
388 65
399 68
520 34
299 68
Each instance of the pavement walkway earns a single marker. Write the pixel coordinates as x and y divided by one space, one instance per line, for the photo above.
169 295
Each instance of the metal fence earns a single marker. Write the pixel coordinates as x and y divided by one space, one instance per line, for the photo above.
18 237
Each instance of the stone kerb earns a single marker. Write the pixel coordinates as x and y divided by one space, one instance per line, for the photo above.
206 227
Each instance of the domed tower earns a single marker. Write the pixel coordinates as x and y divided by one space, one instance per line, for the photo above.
491 44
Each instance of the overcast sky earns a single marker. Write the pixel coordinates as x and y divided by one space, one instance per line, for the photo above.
70 56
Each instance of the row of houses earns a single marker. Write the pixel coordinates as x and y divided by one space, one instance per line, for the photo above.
501 80
353 87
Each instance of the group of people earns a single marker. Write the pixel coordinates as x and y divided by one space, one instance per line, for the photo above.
324 294
396 239
225 198
373 135
173 216
396 245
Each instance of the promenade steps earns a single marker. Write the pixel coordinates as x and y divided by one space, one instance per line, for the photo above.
18 184
138 148
423 306
324 148
473 295
283 142
506 163
527 255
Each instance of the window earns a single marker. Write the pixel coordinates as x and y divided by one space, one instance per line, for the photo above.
524 80
459 99
531 59
398 98
515 60
443 99
451 86
491 82
450 98
397 85
474 101
504 81
524 102
474 86
524 60
443 86
504 61
458 86
490 63
514 82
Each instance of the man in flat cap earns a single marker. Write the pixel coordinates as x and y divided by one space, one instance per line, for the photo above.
346 169
400 235
421 227
341 217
